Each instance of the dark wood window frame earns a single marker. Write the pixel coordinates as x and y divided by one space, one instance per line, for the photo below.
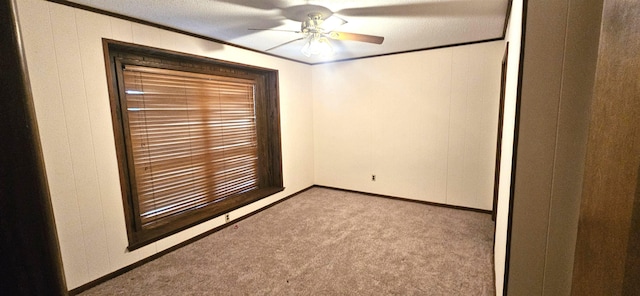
267 117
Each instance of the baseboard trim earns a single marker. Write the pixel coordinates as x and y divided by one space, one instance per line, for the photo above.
409 200
123 270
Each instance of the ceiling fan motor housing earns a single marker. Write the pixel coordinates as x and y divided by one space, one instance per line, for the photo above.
312 24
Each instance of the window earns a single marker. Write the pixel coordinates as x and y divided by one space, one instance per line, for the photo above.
195 137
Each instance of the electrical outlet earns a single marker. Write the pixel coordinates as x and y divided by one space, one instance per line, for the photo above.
226 218
373 178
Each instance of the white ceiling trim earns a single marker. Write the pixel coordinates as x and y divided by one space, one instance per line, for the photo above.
407 25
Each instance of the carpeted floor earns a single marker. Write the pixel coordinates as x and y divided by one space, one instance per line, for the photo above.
328 242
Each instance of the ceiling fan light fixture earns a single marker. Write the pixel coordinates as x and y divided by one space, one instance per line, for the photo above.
317 30
316 44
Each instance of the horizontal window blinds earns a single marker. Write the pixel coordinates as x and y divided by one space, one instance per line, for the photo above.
192 138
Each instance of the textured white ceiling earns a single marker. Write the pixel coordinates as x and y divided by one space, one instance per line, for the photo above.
406 24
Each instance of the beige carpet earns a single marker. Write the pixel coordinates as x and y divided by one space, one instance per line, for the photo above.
328 242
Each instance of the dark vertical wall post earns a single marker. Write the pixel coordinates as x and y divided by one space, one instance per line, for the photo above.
29 252
606 257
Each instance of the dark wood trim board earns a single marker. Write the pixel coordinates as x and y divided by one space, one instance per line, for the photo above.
29 251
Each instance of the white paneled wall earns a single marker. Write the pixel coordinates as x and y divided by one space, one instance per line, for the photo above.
424 123
473 124
66 66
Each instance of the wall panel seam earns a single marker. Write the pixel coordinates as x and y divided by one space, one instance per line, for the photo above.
555 148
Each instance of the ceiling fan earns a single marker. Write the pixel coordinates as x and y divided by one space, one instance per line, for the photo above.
318 28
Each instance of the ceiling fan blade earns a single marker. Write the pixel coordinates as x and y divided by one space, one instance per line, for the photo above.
291 31
356 37
283 44
331 23
263 4
435 8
